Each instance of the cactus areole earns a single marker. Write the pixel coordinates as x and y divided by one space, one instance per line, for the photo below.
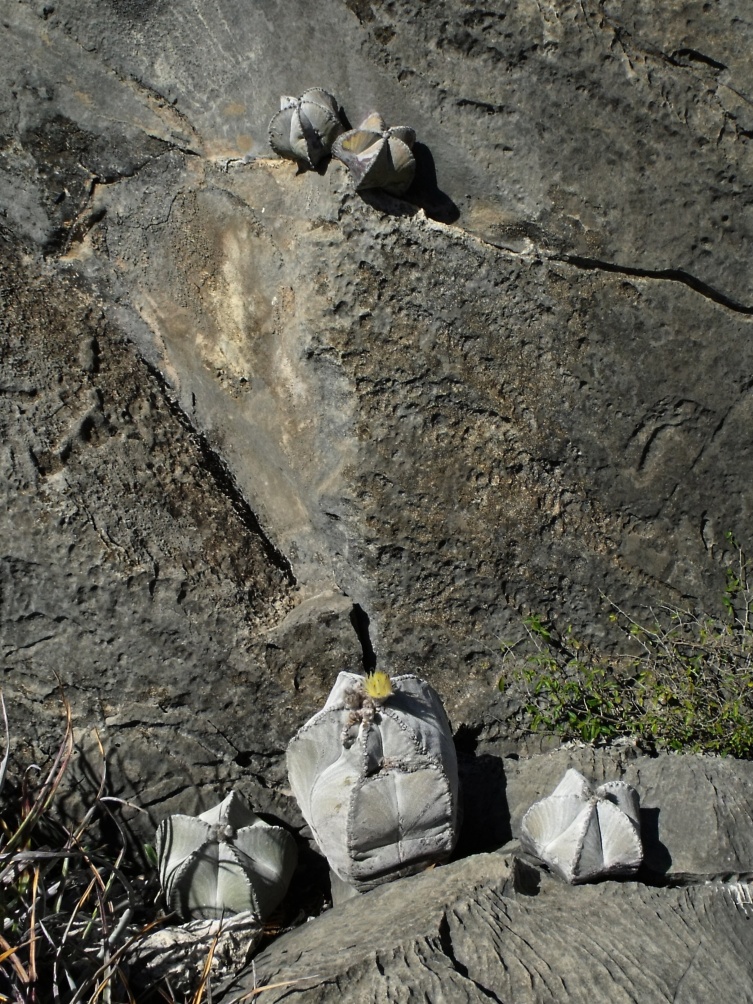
375 774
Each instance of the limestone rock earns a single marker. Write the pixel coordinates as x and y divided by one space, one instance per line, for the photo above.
491 924
228 390
178 954
490 928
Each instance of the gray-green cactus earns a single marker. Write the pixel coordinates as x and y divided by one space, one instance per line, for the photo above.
223 862
584 833
378 157
375 775
305 127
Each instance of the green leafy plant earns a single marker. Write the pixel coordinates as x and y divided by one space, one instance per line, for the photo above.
688 686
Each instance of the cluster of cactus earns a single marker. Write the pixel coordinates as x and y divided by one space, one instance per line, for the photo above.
308 128
375 775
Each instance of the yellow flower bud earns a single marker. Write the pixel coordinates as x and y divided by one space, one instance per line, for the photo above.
378 686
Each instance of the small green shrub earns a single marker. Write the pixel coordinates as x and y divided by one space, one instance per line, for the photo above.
689 687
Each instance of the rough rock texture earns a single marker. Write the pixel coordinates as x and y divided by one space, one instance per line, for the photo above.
489 928
497 927
483 929
257 429
692 807
130 575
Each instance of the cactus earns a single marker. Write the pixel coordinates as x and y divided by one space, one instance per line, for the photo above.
305 127
223 862
585 834
378 157
375 775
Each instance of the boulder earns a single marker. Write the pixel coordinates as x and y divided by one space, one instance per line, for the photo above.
258 429
233 391
492 928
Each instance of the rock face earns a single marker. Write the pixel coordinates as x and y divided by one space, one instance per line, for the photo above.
258 429
496 927
487 928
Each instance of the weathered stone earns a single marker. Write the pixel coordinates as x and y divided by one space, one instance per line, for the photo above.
230 389
480 928
445 472
133 576
487 928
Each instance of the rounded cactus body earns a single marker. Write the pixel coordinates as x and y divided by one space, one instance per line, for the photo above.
377 780
305 128
224 862
378 157
584 833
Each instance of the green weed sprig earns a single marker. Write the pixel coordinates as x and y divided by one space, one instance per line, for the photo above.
689 688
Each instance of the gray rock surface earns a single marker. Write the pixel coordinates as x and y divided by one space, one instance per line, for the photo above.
694 809
258 429
488 928
496 927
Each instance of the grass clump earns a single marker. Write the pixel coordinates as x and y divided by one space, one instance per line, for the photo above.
70 904
688 686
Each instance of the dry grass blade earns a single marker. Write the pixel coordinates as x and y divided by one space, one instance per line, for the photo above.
204 981
81 828
10 953
75 898
33 927
272 986
68 895
94 981
49 787
6 756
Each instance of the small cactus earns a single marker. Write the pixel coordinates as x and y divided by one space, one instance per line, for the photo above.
378 157
584 833
224 862
305 128
375 775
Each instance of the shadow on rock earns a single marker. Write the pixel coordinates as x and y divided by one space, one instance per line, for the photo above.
426 193
308 895
657 860
360 621
486 815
